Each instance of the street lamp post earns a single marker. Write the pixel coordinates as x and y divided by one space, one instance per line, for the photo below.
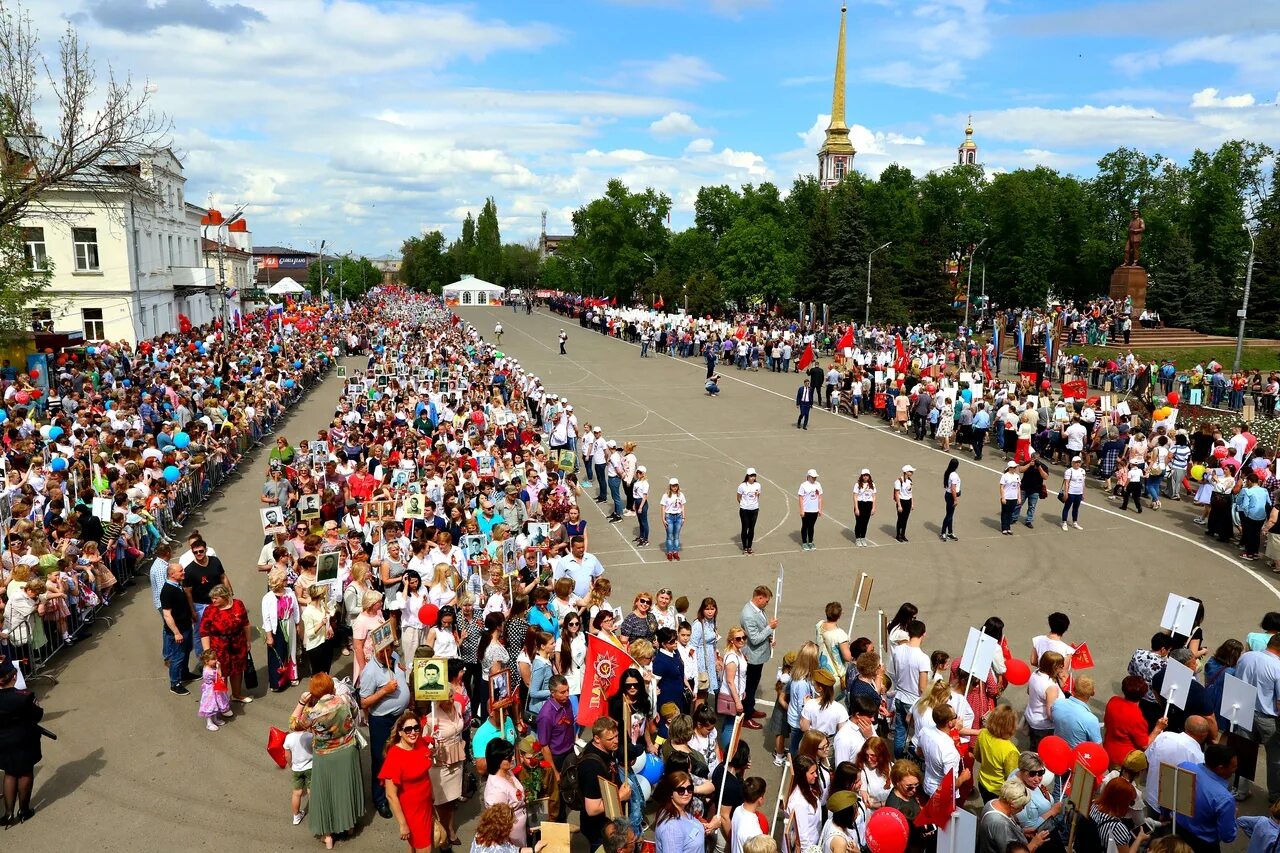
1244 307
968 288
867 319
222 269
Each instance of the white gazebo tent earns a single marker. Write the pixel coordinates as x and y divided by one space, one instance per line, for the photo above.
284 286
470 290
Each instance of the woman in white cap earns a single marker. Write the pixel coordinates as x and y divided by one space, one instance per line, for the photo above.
748 508
640 504
1072 493
902 494
864 506
810 497
673 517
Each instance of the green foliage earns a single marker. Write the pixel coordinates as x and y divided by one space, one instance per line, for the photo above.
21 287
425 265
488 246
344 277
754 262
614 233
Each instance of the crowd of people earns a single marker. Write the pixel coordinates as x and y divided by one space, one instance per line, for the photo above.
431 537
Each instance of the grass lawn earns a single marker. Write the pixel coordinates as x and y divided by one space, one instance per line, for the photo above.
1262 358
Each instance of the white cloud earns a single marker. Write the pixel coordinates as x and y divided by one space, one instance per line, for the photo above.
1209 98
699 146
806 80
675 124
677 71
1255 57
940 77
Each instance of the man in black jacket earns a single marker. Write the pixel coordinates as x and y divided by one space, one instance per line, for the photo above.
1033 473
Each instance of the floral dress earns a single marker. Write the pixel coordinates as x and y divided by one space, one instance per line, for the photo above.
225 630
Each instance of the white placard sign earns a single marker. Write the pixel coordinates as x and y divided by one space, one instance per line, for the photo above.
1238 700
979 651
1179 615
961 834
1176 683
1122 409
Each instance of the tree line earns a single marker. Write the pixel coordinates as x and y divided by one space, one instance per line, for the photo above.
1040 235
429 261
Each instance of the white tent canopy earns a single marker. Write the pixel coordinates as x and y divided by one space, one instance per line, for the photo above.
285 285
473 291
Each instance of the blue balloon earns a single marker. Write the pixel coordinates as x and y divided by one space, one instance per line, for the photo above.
55 432
275 348
181 440
289 383
652 769
4 416
297 365
58 464
172 474
109 402
91 350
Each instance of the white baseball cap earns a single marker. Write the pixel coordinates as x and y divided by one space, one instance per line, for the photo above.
611 443
1011 464
812 473
1076 459
673 482
907 469
865 471
595 429
751 472
642 470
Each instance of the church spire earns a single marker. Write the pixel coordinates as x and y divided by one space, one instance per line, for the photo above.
967 153
835 158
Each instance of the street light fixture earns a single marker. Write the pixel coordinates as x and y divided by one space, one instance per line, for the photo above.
867 320
968 289
220 227
1244 307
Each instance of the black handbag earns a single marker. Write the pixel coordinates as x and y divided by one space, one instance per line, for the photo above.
250 673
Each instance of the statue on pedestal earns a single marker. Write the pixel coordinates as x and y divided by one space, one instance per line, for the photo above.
1131 248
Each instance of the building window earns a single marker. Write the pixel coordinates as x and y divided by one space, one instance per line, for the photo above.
94 329
171 263
466 297
972 157
840 168
86 248
33 247
41 320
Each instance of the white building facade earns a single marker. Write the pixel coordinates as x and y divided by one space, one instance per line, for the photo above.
125 250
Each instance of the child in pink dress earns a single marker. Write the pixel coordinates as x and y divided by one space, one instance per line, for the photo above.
215 703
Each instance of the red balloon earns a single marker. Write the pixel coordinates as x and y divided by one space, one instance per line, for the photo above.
36 393
22 397
34 374
1057 755
887 831
1046 384
1173 398
427 615
1093 757
1017 671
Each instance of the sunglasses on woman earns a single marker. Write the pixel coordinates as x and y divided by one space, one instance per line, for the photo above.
410 729
683 789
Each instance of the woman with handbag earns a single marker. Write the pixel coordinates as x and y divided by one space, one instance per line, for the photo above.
734 686
225 629
281 622
449 764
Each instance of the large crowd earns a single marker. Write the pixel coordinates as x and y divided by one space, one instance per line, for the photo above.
428 575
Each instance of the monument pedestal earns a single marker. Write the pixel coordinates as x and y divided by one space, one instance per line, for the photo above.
1131 282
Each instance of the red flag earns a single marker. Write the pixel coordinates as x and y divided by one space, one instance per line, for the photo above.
740 333
846 340
604 666
903 363
1083 658
659 303
806 358
1077 389
986 366
941 805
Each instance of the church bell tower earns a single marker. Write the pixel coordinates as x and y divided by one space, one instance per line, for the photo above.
835 157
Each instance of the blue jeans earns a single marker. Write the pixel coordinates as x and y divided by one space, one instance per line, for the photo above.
615 492
1029 500
641 510
177 654
673 523
600 479
380 726
901 713
644 349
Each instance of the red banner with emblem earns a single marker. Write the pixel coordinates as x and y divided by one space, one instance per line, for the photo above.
604 666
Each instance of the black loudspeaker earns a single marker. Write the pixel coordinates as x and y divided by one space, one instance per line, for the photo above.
1030 351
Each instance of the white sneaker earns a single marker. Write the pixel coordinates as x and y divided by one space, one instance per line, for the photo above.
297 819
211 726
779 759
1076 525
1064 525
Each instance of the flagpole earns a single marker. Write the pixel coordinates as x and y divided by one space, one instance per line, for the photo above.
626 743
856 598
782 786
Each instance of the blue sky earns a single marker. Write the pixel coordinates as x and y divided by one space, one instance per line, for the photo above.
362 122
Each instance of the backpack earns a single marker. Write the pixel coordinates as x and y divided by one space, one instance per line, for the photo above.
571 780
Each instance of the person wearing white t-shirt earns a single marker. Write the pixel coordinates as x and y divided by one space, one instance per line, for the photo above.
298 746
1073 492
1010 496
938 748
745 824
810 497
903 492
911 679
821 712
673 503
748 508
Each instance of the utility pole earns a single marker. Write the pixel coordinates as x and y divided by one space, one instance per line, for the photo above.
1244 307
968 289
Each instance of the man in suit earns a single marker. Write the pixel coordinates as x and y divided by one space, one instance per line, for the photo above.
804 402
759 627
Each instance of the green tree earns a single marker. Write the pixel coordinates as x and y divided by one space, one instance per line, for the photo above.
715 210
425 266
615 233
555 273
846 287
463 249
754 263
520 264
1264 296
1177 287
704 293
22 285
488 244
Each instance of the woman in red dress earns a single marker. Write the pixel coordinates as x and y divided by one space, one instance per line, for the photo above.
225 629
406 774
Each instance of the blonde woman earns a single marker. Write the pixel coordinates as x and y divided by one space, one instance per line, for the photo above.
281 624
353 596
800 688
444 583
673 504
734 686
362 628
629 467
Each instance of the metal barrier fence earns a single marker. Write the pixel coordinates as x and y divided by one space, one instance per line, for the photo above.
32 638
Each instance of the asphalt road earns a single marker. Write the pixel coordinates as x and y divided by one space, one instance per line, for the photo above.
134 767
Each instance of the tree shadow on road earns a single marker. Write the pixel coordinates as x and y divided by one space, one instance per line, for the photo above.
68 777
